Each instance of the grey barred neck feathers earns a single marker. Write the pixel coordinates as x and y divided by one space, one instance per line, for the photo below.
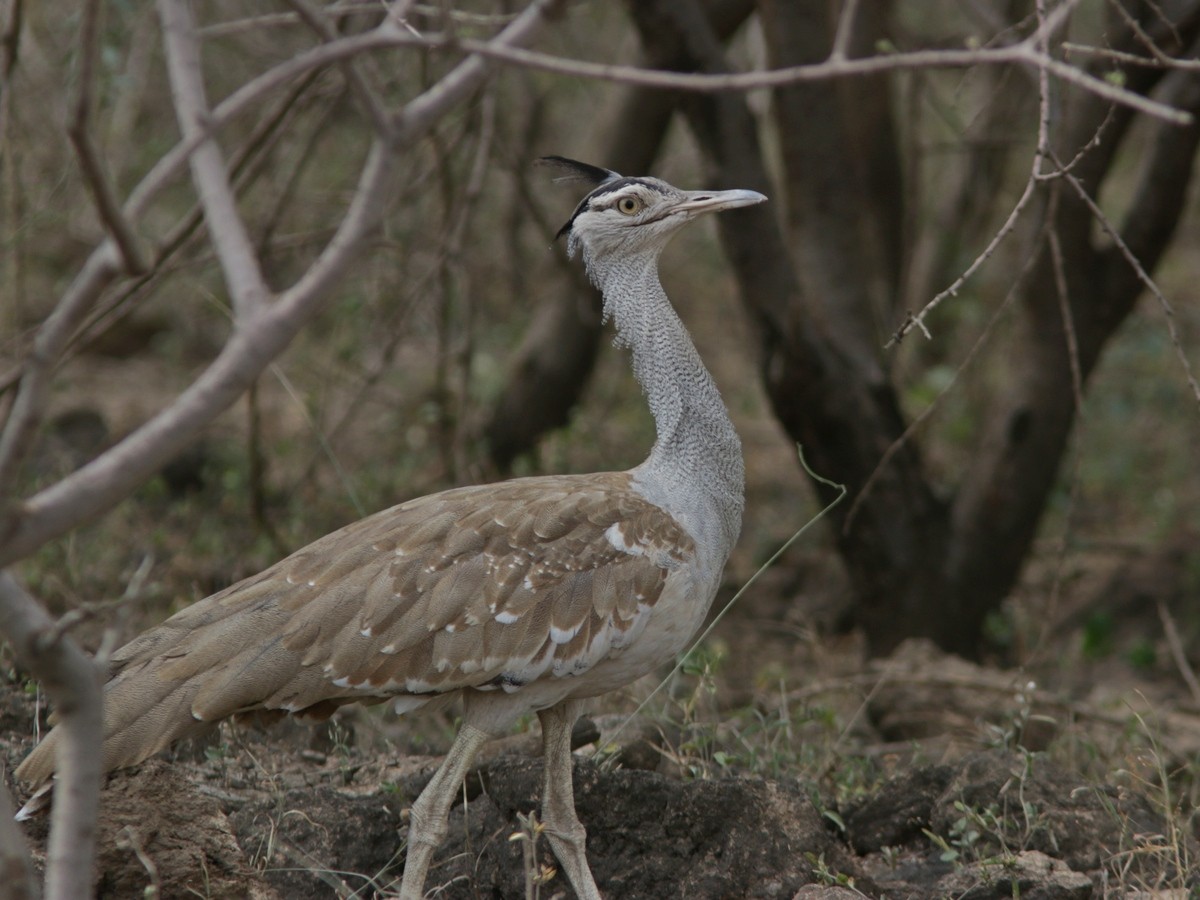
695 469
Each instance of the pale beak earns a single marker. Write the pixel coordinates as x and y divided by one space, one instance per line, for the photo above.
697 202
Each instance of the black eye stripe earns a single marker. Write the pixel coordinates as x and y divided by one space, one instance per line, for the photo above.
590 201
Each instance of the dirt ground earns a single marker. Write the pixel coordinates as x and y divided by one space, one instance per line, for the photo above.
949 808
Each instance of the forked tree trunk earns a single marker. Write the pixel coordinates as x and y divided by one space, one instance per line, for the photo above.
822 288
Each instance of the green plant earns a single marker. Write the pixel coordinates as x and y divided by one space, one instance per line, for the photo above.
537 873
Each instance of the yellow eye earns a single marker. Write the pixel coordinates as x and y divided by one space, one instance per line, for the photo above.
629 205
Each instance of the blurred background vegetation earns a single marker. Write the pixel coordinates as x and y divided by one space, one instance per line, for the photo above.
391 392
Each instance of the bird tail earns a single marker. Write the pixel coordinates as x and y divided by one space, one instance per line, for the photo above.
143 715
177 680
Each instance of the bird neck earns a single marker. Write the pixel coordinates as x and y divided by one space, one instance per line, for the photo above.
695 469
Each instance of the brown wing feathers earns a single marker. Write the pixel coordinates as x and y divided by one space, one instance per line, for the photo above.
480 587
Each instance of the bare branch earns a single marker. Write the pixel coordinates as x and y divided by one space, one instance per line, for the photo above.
97 181
845 30
504 48
1022 53
384 36
1178 654
233 246
1143 276
73 683
107 479
419 115
1061 289
95 487
390 35
1146 40
918 320
1043 152
20 881
935 404
1063 294
1158 61
358 83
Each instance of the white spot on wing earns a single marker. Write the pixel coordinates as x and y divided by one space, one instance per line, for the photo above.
504 617
563 635
617 538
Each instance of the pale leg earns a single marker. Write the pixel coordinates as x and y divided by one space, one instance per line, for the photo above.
428 817
563 828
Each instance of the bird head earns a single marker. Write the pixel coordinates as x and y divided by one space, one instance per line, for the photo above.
631 216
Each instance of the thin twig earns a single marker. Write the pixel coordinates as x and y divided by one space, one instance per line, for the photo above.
1063 295
1161 61
845 30
912 427
363 92
1041 154
918 320
98 183
1171 633
1143 277
1135 27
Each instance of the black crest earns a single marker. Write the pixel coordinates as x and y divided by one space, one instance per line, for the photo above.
572 170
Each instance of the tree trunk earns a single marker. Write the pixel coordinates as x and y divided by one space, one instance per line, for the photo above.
822 289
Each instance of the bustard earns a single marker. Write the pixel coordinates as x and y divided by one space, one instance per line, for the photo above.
529 595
